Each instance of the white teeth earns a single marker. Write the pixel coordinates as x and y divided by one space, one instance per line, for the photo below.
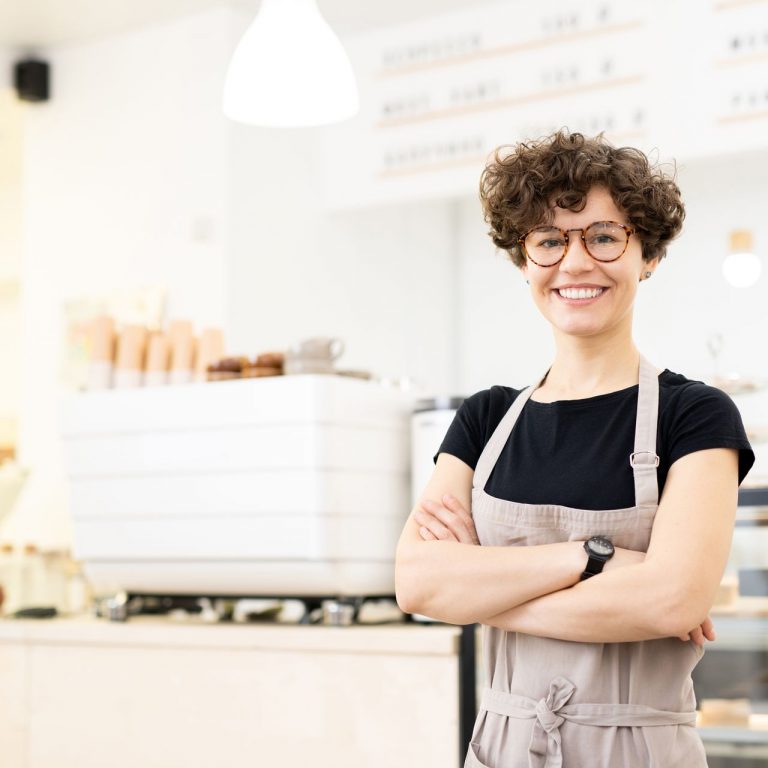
580 293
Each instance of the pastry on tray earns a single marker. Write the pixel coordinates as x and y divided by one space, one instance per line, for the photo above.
256 371
269 360
226 368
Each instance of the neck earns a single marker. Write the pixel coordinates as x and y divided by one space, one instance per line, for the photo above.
585 367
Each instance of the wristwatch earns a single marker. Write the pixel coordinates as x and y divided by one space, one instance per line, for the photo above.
600 550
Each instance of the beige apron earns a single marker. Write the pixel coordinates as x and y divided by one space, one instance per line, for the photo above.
558 704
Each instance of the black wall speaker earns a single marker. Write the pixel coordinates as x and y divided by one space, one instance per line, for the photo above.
32 80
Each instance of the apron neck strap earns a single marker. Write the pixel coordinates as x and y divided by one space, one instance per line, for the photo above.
493 448
644 459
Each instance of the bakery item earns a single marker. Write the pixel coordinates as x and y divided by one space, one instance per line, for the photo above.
269 360
257 371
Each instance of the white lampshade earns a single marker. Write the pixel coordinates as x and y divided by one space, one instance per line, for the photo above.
742 270
742 267
289 69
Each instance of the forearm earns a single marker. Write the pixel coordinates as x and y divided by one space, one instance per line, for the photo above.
632 603
463 584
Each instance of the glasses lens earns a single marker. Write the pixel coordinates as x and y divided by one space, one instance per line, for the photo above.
545 245
605 240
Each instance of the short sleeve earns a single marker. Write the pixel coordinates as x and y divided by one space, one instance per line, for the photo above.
465 437
706 417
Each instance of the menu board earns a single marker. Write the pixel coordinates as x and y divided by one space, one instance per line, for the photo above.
738 40
685 77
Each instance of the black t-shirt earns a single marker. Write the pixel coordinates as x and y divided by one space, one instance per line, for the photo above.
575 453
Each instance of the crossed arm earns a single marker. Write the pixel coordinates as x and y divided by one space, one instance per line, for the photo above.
441 572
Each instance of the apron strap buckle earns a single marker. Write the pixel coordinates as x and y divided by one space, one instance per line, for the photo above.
654 462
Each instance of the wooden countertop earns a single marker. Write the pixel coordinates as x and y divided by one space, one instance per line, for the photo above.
427 639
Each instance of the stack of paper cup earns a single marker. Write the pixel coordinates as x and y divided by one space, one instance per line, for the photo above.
158 360
182 351
102 341
209 351
129 362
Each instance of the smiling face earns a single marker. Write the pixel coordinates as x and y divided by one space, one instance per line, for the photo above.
610 311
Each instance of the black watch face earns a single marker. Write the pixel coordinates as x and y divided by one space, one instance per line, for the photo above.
601 546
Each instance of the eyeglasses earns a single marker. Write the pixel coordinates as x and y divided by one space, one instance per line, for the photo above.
546 246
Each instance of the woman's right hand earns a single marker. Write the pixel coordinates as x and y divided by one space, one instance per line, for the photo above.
705 631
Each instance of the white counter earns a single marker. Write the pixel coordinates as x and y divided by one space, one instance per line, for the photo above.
151 692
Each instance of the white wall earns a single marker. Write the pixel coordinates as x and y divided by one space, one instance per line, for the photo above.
11 143
7 57
382 279
125 186
126 166
691 299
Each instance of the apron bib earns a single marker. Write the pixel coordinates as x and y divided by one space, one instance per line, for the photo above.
560 704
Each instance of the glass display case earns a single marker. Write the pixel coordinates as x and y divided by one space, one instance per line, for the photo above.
731 680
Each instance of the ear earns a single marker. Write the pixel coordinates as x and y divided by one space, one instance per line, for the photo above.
650 266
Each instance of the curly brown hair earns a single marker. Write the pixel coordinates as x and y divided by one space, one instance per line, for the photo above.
518 188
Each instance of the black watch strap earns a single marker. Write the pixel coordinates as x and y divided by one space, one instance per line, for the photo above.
594 566
596 560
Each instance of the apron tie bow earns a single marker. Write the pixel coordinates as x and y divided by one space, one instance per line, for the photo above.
545 750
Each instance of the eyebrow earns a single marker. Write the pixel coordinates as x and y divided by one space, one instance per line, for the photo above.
594 221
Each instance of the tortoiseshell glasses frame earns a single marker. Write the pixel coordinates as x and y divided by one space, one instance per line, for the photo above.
601 227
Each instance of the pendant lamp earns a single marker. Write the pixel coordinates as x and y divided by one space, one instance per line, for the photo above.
289 69
742 267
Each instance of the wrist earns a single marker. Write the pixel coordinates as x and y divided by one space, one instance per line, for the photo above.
623 558
578 560
599 550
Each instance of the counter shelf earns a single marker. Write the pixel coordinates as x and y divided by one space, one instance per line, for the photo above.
735 665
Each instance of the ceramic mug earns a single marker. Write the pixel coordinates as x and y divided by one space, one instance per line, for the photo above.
314 355
319 348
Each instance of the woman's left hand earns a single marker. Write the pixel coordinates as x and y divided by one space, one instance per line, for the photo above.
705 631
446 521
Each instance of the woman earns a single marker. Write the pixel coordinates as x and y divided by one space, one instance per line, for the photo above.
603 495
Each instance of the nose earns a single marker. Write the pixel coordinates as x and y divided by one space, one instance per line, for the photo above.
576 258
